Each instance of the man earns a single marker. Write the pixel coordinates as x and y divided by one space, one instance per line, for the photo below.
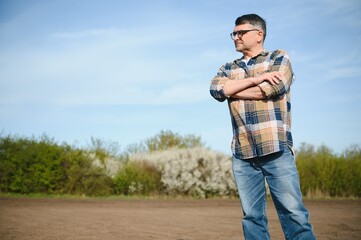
257 87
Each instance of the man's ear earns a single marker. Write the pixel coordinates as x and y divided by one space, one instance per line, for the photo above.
260 36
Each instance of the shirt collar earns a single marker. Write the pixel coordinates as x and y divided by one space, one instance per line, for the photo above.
264 52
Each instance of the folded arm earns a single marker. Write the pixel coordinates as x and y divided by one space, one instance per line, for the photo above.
246 89
275 82
281 64
252 93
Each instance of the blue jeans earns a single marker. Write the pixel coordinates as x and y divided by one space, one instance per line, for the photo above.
279 170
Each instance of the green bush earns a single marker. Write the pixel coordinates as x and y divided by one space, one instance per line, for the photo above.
323 173
28 166
165 140
83 178
42 166
352 178
138 177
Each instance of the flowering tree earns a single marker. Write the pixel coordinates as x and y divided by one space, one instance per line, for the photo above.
192 171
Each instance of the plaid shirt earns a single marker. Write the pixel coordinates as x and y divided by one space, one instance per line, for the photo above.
260 127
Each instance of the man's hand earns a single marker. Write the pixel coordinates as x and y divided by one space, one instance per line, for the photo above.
272 77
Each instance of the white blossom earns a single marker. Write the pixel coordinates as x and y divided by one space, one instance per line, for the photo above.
195 171
110 164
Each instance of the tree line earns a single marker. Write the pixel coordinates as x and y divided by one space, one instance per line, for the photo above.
166 164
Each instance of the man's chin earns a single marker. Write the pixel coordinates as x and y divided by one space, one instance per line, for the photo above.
239 47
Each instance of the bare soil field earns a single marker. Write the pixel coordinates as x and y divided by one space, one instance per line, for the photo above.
214 219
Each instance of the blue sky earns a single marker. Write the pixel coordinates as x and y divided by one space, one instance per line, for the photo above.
123 71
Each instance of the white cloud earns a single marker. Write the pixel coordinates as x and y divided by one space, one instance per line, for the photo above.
90 33
105 71
178 94
344 72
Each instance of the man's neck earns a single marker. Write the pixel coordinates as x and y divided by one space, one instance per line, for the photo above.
252 52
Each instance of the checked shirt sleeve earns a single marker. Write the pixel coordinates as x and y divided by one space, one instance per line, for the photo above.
280 63
217 83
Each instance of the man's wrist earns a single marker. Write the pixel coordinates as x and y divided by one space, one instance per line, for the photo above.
255 81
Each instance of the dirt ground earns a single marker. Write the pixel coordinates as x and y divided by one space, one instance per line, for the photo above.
215 219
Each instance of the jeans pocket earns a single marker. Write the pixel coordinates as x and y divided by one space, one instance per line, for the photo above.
291 150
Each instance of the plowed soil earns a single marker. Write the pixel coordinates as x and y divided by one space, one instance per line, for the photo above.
215 219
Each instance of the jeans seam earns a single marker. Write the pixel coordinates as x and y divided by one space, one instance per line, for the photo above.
282 217
264 211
